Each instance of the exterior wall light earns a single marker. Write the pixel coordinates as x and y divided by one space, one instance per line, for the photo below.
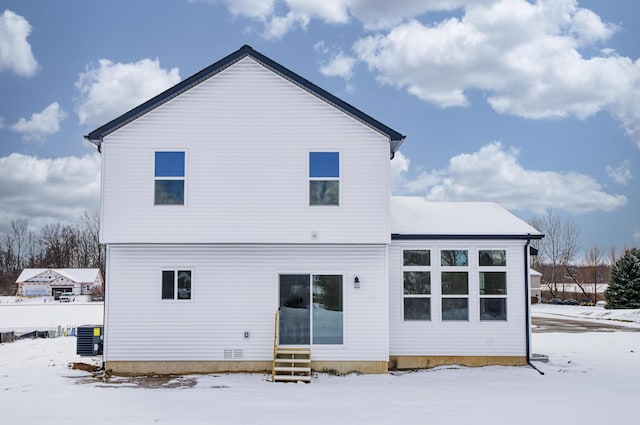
356 282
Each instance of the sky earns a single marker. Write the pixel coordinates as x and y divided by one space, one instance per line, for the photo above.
533 104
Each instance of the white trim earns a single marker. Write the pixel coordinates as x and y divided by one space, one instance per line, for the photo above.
176 178
338 179
175 298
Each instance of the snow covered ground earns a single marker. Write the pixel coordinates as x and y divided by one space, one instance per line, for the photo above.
591 378
629 317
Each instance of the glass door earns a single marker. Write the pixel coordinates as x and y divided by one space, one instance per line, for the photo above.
295 312
302 325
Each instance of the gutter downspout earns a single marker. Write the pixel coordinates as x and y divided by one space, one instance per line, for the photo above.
527 301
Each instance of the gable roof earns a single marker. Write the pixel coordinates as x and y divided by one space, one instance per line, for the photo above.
96 136
416 218
75 275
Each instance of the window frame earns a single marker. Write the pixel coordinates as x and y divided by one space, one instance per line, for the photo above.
311 178
446 298
482 298
175 287
343 292
171 178
417 268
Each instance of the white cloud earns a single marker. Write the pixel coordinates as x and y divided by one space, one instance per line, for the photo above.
15 50
494 174
636 236
340 65
41 124
587 27
524 55
399 169
283 16
46 191
331 11
380 14
278 26
112 88
250 8
257 9
513 49
620 174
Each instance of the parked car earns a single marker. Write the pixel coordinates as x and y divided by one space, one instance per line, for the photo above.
601 303
587 302
66 297
570 301
555 301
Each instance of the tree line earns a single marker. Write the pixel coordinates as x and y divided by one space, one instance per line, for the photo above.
54 246
558 259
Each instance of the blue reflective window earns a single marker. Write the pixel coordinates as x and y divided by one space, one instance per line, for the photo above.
169 164
169 178
324 178
324 164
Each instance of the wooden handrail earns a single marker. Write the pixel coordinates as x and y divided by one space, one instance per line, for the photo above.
276 341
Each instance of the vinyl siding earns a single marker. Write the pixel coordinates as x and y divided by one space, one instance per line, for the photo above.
458 338
235 289
247 133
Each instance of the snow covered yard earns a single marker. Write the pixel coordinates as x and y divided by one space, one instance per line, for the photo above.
627 317
591 378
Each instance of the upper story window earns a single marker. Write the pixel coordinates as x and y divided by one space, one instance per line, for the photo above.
169 178
324 178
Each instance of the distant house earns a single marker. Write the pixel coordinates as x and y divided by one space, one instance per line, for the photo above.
536 288
53 282
247 214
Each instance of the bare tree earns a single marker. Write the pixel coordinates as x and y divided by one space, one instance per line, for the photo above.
613 255
59 245
594 262
19 235
91 240
558 248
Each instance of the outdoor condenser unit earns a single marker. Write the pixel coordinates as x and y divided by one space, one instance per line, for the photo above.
89 340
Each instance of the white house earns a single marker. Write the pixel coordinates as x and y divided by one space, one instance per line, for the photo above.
536 286
245 190
53 282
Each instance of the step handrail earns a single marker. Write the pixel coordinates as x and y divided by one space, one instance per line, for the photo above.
276 342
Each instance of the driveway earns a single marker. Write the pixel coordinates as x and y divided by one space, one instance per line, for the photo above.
559 324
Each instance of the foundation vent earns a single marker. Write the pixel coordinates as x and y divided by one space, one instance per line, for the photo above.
233 353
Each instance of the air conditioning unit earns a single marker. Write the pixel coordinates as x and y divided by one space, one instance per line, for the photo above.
89 340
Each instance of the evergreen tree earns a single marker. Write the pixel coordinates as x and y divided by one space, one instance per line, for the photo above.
624 286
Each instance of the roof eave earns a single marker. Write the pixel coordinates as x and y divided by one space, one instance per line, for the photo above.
96 136
418 237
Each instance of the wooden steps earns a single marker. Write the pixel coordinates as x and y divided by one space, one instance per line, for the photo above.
292 364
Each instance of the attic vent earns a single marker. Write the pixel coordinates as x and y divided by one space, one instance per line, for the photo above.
228 353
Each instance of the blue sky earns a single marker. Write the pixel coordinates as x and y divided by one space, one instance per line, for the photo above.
533 104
